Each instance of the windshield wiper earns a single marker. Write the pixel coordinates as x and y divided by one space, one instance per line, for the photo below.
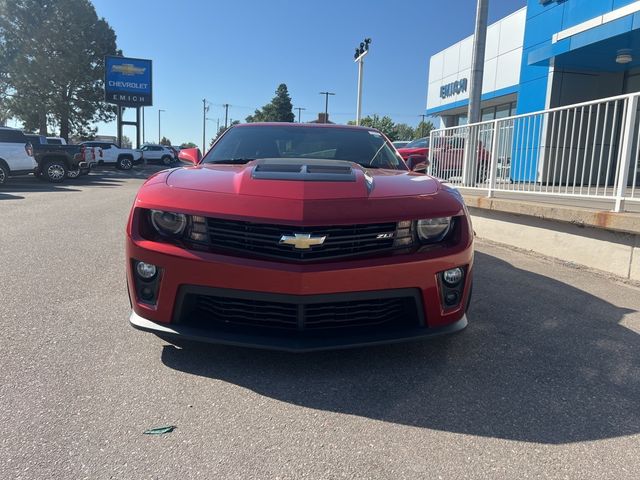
234 161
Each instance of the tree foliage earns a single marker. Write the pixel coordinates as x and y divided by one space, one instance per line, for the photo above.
384 124
126 142
395 131
188 145
402 131
165 141
279 110
423 129
52 56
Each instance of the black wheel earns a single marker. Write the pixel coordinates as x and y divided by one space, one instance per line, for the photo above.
73 173
4 174
166 160
124 163
55 171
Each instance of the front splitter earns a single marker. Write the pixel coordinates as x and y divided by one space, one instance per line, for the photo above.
291 344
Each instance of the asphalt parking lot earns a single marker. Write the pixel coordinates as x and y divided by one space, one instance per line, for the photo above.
545 382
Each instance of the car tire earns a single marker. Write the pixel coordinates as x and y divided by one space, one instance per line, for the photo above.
73 173
55 171
166 160
124 163
4 174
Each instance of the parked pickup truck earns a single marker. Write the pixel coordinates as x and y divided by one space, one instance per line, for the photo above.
110 153
57 162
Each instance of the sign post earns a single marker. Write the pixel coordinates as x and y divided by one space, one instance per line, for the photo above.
127 83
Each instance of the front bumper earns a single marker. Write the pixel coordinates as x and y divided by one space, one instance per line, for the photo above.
299 345
331 282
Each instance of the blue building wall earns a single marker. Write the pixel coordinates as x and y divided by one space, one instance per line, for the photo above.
543 22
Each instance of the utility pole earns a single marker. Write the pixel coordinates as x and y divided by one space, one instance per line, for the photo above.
326 105
359 59
422 124
226 114
299 113
205 109
159 112
477 65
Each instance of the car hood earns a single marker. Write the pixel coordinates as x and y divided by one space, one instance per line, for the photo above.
315 180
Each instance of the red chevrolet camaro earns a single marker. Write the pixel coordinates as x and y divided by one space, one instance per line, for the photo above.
298 237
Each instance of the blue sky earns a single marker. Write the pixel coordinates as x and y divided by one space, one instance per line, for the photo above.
239 51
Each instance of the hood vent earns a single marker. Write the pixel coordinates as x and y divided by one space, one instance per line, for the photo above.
304 170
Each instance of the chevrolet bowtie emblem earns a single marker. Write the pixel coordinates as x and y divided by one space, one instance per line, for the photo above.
302 241
128 69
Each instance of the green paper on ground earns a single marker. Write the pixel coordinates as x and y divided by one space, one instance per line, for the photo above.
160 430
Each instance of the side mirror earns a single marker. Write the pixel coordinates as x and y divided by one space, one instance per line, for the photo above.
417 163
190 155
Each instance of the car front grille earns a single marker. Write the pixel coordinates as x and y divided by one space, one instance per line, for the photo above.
282 314
265 240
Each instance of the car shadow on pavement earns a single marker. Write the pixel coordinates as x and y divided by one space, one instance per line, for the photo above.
10 197
541 361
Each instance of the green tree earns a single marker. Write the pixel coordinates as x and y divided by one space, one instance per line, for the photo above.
188 145
384 124
165 141
126 142
52 55
404 132
423 130
279 110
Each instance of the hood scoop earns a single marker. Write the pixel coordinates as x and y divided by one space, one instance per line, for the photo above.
304 170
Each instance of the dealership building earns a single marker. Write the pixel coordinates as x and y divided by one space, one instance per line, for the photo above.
549 54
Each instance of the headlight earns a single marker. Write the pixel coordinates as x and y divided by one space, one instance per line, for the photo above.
433 229
168 223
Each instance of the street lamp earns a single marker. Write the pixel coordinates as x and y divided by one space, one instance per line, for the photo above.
361 52
326 105
159 112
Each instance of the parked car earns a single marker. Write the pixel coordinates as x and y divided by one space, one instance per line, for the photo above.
111 154
416 152
448 159
158 153
401 143
298 237
56 141
57 162
16 154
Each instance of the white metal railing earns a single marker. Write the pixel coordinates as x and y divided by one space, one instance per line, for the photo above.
589 150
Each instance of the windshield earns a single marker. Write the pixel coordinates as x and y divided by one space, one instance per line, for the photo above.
420 143
365 147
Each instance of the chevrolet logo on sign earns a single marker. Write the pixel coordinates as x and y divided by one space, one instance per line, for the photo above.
302 241
128 69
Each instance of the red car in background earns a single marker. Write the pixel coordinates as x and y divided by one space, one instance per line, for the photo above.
448 159
415 153
298 237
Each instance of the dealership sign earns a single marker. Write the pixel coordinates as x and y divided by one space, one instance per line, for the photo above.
127 81
453 88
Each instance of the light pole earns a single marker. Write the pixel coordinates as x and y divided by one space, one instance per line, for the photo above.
299 113
477 65
326 105
159 112
361 52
